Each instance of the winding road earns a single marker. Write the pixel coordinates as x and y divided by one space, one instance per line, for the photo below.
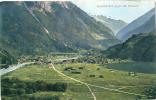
52 66
91 85
14 67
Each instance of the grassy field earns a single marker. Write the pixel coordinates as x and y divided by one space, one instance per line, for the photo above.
90 73
141 67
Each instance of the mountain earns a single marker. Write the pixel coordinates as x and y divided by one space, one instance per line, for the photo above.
57 26
140 47
6 58
114 25
143 24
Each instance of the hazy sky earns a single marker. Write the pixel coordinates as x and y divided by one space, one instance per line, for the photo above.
126 10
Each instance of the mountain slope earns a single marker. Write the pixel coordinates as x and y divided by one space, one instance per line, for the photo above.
67 20
114 25
42 27
143 24
21 34
139 47
6 58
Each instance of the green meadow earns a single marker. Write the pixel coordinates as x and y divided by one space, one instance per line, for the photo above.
94 74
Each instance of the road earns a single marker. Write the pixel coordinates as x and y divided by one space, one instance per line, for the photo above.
14 67
88 85
52 66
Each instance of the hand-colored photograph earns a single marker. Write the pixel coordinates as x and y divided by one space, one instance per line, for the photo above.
78 50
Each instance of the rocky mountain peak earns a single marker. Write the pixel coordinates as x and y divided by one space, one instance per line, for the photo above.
47 5
40 5
64 4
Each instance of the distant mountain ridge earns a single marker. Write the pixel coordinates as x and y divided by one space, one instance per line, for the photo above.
42 27
143 24
113 24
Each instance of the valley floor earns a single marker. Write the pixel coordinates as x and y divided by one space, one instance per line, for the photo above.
86 81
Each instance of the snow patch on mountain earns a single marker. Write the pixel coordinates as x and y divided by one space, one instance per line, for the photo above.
40 5
63 4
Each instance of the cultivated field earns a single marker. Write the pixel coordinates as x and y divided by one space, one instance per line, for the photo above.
106 84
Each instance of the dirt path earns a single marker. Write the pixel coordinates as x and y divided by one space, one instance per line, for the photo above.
88 85
94 97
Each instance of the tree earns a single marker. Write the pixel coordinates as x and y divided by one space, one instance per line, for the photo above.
150 92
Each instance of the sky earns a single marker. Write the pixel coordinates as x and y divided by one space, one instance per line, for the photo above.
126 10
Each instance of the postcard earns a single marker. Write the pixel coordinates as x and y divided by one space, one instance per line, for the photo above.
78 50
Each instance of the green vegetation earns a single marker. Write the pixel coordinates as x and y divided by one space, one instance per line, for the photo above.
138 48
110 78
18 89
32 33
140 67
31 97
6 59
150 92
15 86
22 34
